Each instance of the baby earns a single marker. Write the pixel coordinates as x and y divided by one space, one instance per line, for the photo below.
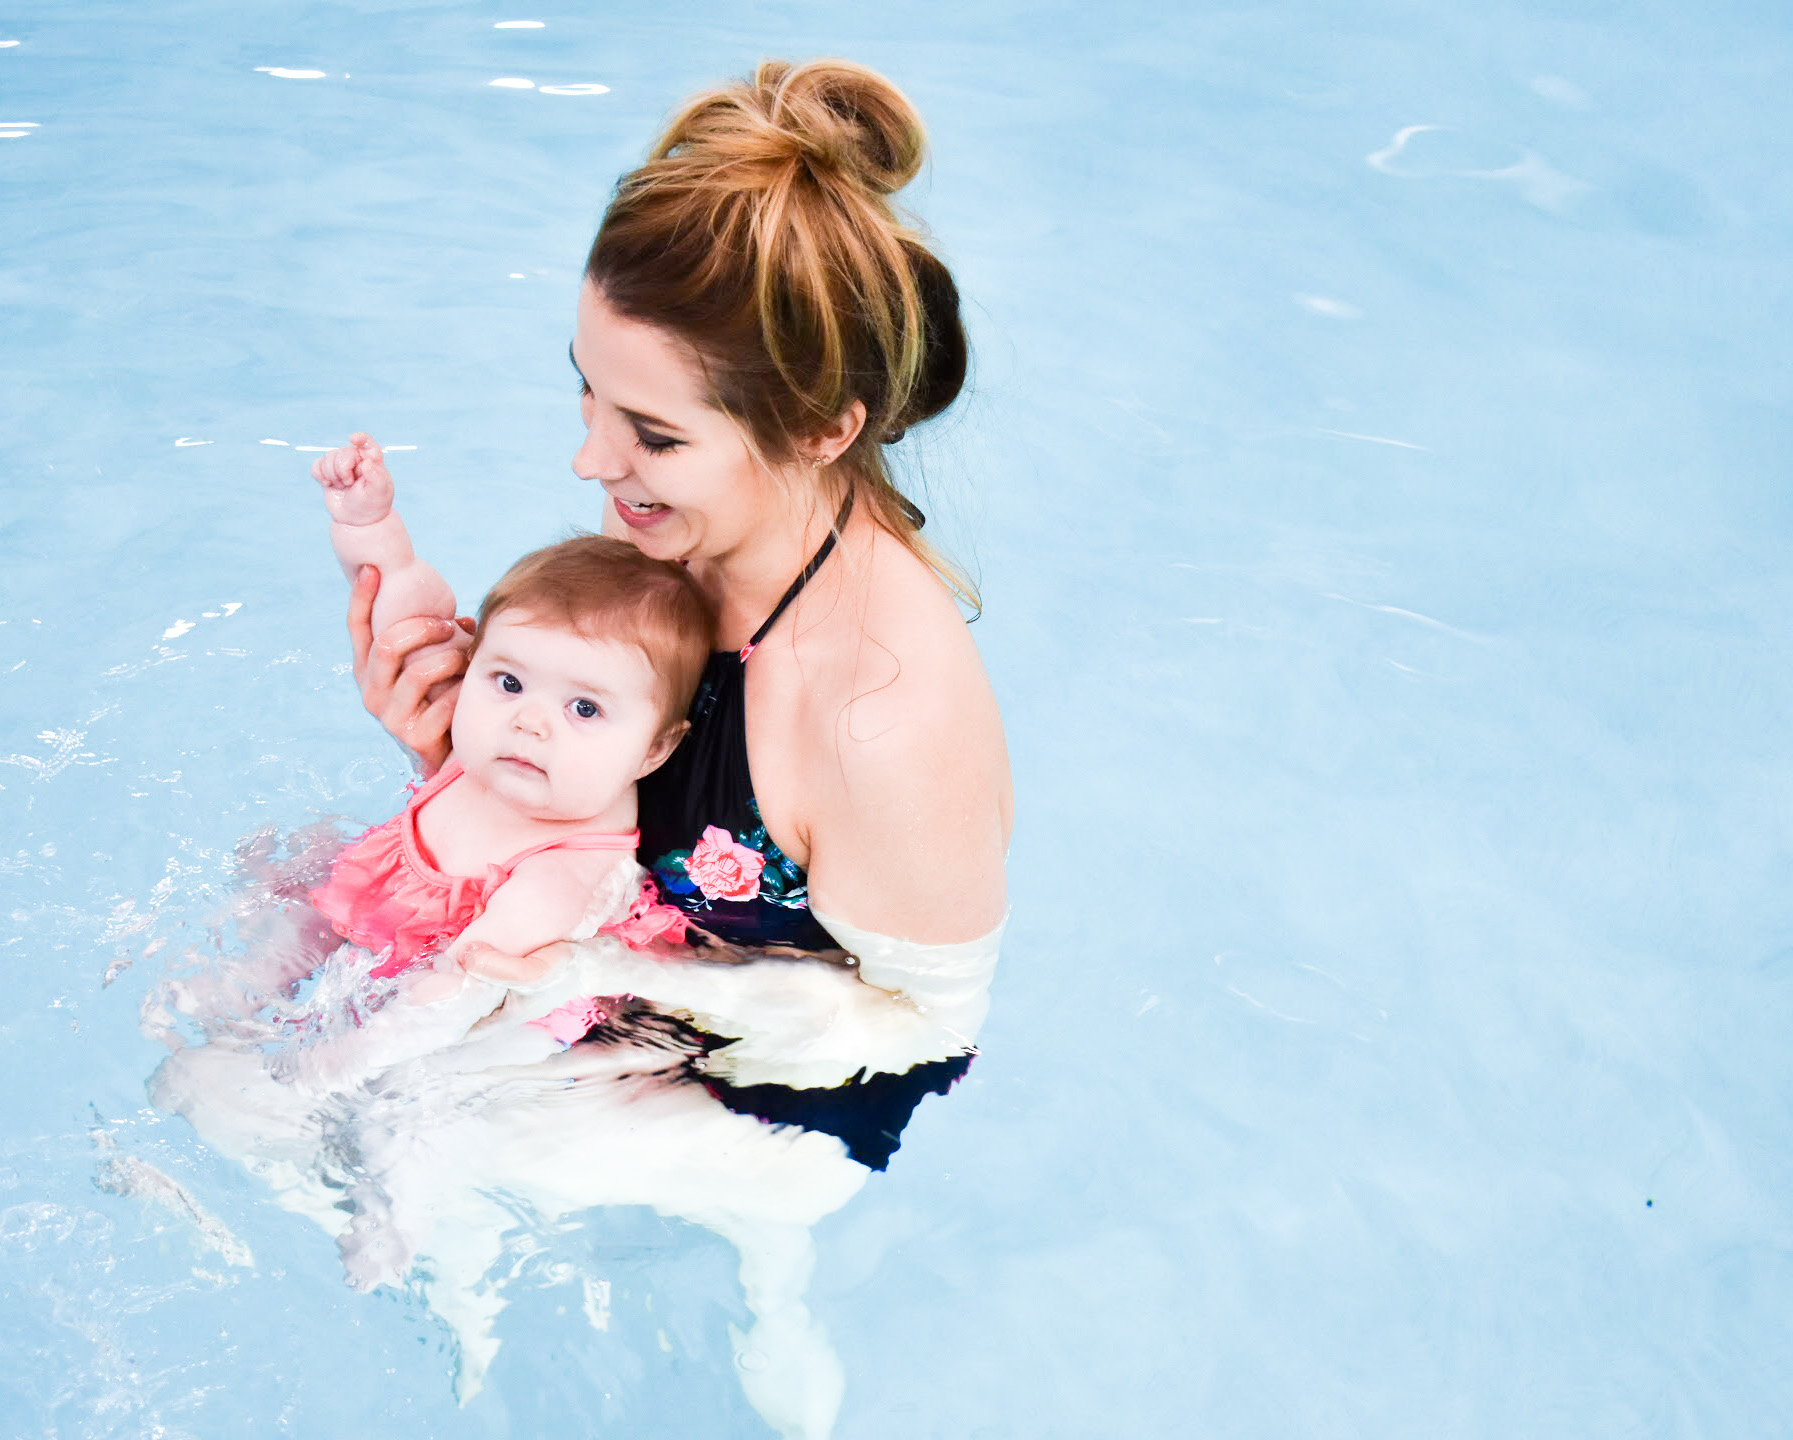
584 661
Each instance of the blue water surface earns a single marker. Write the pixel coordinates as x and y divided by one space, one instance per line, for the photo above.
1377 475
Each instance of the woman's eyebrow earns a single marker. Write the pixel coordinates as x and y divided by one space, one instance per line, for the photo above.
650 421
640 417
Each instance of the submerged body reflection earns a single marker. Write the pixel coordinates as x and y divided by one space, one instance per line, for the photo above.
418 1136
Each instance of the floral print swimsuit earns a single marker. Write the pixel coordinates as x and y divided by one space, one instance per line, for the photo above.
701 833
707 848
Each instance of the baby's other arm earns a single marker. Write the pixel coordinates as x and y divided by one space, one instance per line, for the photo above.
365 530
545 899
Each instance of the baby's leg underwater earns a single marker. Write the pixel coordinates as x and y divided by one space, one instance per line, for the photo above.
243 1112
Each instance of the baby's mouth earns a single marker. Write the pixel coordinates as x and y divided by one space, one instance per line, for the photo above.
520 763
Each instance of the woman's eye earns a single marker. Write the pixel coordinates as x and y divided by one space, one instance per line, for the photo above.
585 709
655 444
510 684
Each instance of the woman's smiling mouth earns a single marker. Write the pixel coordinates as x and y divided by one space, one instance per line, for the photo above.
640 515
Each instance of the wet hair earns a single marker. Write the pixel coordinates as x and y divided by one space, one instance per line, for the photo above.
606 589
761 232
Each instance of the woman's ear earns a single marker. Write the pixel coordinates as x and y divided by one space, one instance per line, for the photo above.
831 442
664 744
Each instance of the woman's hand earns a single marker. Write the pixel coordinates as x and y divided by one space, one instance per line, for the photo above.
410 674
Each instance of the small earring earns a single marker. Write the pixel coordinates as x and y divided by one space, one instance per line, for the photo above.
818 462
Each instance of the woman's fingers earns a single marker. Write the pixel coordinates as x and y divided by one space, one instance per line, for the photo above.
418 706
361 616
409 674
389 656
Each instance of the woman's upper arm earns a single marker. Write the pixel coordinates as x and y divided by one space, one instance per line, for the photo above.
909 841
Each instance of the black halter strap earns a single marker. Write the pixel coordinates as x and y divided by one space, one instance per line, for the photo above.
815 564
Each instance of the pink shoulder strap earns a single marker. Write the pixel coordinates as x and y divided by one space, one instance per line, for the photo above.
435 785
588 840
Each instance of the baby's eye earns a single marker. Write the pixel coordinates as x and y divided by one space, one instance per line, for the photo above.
586 709
509 683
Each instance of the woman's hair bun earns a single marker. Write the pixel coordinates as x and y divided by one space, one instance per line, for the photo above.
945 352
835 116
848 116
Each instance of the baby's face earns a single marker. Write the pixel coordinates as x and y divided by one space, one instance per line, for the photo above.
553 723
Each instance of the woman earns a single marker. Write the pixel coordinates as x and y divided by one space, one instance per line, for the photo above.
754 326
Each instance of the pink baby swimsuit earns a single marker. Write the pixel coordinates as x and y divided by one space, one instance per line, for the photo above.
384 894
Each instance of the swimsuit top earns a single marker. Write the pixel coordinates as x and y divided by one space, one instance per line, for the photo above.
704 841
701 832
385 892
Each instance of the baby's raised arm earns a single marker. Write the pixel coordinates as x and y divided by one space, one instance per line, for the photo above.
365 530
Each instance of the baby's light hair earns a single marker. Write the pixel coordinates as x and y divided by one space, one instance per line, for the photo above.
607 589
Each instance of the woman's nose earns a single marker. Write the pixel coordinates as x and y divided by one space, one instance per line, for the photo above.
598 458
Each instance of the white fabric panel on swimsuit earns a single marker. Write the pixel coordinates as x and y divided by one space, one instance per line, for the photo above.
948 983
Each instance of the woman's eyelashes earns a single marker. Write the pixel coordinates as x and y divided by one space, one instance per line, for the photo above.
653 443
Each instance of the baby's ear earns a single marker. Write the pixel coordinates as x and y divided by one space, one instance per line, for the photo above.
664 744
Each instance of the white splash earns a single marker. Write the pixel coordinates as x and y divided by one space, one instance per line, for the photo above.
1412 615
520 25
280 72
65 751
185 442
512 82
178 629
1559 91
1369 439
580 89
1384 158
1331 309
1538 182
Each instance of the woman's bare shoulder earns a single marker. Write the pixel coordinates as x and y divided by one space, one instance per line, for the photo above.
908 822
887 651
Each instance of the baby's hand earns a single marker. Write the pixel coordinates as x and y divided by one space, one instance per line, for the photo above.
488 962
357 489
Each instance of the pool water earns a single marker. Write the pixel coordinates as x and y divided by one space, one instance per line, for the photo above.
1377 476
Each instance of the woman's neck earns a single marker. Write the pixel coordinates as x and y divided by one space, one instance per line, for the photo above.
746 583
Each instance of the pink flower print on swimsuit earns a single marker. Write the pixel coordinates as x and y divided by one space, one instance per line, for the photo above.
648 920
724 869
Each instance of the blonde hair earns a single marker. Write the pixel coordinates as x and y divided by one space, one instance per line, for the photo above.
762 233
607 589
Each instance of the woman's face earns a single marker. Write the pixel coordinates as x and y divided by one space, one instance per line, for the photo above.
679 474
